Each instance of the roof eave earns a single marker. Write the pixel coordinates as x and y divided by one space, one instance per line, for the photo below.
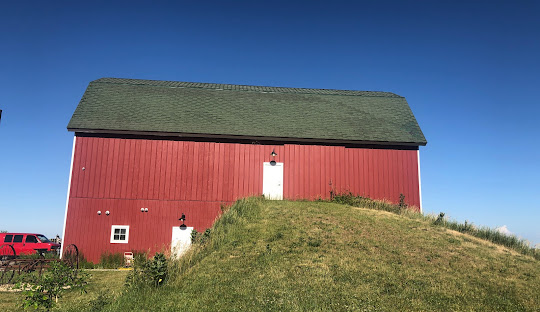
241 137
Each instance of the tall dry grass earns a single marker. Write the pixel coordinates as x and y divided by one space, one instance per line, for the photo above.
510 241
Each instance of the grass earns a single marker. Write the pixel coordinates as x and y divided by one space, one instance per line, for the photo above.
109 283
511 241
108 260
111 261
320 256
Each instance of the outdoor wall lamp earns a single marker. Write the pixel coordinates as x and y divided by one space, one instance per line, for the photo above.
144 209
99 212
273 154
107 212
183 219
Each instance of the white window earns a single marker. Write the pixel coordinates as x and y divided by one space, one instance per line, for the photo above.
120 234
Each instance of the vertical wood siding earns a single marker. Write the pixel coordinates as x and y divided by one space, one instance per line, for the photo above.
196 178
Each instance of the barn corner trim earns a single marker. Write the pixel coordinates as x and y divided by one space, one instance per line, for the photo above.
67 198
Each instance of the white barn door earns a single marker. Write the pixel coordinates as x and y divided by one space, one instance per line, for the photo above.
273 180
181 240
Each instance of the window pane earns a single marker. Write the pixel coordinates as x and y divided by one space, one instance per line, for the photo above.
8 238
43 239
31 239
122 237
116 231
17 239
116 237
123 231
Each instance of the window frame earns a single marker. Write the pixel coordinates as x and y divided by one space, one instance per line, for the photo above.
120 227
10 238
30 237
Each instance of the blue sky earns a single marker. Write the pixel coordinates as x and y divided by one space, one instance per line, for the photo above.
469 70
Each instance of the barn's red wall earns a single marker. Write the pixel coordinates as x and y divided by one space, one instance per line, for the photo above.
171 177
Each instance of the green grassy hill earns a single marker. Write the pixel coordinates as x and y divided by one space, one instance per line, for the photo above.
315 256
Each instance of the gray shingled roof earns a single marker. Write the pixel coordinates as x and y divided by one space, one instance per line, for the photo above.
157 107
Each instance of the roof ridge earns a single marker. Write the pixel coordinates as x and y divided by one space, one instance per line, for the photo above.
244 88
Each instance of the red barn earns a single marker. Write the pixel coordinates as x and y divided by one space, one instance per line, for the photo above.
145 152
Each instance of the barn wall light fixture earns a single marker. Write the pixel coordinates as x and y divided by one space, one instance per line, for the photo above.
183 219
273 154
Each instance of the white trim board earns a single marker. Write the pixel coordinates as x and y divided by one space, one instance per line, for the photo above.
67 197
419 180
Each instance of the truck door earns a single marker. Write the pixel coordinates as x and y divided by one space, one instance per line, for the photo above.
30 244
18 244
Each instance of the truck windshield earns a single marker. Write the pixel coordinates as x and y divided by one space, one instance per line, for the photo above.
43 239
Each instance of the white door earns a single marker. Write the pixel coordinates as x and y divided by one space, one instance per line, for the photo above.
273 180
181 240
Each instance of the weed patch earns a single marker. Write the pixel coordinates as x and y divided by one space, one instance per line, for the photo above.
148 272
111 261
41 292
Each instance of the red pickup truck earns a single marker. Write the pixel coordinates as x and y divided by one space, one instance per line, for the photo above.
28 243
